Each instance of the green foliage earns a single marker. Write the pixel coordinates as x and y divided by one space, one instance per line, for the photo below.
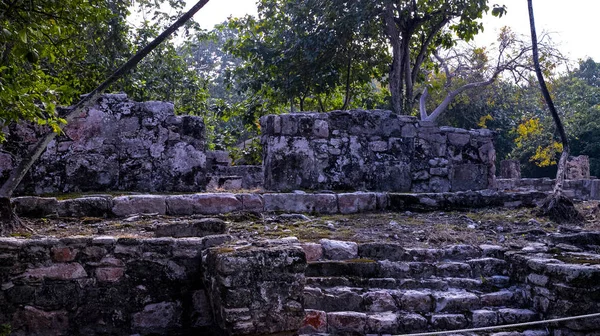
5 329
52 51
301 52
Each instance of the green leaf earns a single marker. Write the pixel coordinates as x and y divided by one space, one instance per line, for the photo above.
23 36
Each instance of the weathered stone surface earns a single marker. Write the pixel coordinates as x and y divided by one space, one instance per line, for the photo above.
202 313
91 206
31 206
382 323
157 317
346 322
206 204
315 321
192 228
578 167
379 301
256 290
483 318
381 251
116 144
301 203
412 322
67 271
455 301
109 274
511 316
416 301
313 251
252 202
36 322
339 250
371 150
356 202
500 298
510 169
448 321
138 204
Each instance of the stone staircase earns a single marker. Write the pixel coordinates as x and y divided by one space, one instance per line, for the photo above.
388 289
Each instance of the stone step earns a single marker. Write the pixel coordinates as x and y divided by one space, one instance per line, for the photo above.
421 301
369 268
391 322
396 252
481 285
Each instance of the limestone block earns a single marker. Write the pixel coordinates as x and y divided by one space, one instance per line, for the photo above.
484 318
339 250
382 323
34 321
511 316
301 203
510 169
206 204
315 321
33 206
448 321
91 206
412 322
192 228
416 301
138 204
455 301
356 202
379 301
346 322
313 251
157 317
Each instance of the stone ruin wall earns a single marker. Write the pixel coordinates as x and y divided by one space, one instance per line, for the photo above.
373 150
213 286
117 144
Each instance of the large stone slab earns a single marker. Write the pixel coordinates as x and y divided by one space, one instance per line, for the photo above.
139 204
301 203
192 228
205 204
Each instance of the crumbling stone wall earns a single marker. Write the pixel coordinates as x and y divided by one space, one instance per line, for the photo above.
562 285
373 150
103 286
256 290
117 144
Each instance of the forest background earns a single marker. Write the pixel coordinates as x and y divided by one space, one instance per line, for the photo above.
289 57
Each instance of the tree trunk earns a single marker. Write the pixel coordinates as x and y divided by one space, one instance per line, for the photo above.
557 206
395 74
10 222
25 164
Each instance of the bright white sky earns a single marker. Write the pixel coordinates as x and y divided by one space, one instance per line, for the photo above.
574 24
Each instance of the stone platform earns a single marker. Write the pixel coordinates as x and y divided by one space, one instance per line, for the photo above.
296 202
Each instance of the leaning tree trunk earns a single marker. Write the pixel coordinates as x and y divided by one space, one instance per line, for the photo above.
557 206
8 219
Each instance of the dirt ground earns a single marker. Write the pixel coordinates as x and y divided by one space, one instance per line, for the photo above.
509 227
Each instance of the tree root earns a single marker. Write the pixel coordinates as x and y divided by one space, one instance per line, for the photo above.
560 209
9 221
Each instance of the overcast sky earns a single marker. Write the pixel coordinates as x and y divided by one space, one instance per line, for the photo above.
574 24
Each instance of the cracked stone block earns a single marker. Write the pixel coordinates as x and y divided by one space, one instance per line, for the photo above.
339 250
382 323
379 301
416 301
484 318
455 301
448 321
511 316
346 322
315 321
